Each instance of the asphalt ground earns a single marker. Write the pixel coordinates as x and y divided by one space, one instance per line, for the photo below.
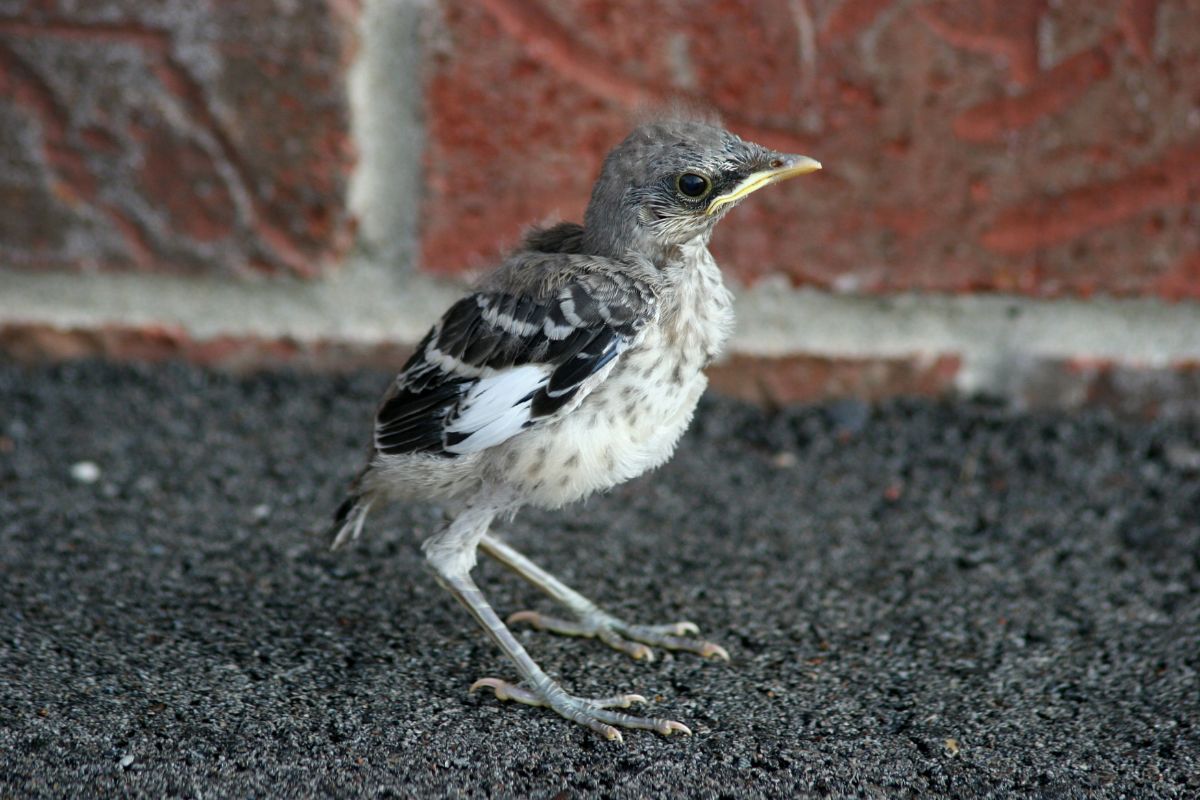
922 599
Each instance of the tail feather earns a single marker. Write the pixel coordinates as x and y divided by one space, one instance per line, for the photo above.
348 519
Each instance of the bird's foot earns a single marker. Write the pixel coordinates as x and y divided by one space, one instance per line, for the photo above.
594 712
634 640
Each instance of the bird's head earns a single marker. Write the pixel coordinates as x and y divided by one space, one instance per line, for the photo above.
670 182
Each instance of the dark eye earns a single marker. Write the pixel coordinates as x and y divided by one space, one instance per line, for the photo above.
693 185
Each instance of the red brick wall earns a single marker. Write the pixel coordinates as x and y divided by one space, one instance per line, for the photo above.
1007 145
175 136
1023 147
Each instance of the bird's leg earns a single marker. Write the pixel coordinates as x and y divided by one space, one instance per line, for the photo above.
591 620
452 563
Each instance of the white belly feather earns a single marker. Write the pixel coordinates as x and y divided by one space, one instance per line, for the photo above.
632 421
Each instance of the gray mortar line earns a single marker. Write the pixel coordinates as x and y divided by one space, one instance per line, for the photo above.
369 303
992 333
362 303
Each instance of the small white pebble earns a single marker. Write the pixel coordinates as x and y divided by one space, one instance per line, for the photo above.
85 472
125 762
261 512
783 460
1183 457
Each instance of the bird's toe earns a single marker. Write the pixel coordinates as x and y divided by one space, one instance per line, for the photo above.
636 641
595 713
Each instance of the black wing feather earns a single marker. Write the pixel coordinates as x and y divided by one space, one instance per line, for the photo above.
575 328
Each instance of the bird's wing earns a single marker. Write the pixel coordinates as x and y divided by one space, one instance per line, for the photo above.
504 359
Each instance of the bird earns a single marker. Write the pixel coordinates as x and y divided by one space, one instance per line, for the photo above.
575 366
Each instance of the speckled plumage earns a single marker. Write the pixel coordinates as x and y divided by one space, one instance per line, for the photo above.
624 418
576 366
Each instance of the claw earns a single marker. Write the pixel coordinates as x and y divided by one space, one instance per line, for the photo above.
493 683
670 726
711 650
618 701
532 617
635 650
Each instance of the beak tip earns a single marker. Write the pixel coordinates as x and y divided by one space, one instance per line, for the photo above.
808 164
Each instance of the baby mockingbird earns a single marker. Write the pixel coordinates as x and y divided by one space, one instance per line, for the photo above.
576 366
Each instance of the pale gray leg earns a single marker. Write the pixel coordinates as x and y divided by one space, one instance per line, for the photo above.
451 554
591 620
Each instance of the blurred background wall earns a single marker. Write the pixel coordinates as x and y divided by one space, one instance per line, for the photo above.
1010 205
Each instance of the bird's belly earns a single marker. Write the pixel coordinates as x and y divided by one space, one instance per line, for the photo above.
629 424
632 420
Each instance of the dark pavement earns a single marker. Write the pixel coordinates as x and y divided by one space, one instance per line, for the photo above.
922 600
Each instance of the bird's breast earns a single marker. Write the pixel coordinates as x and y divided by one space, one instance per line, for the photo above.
633 419
629 424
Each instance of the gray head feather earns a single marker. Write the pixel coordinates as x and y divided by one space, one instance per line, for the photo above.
655 188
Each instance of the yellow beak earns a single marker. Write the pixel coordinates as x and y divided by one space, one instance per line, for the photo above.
791 167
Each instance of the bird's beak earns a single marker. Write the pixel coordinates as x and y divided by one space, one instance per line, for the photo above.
789 167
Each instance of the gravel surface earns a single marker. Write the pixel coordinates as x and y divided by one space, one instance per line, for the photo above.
922 599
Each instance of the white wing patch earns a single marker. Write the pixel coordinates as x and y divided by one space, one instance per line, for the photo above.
496 408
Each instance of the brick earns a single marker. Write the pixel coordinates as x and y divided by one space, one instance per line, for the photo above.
1048 149
808 379
178 136
1130 389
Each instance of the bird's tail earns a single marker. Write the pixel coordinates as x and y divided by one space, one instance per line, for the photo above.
349 518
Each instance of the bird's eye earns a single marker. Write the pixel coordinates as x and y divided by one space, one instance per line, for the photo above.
692 185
